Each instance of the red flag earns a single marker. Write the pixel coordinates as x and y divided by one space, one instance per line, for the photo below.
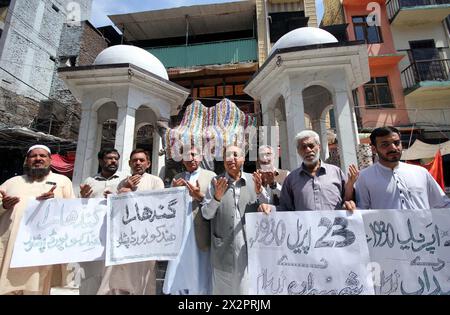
435 168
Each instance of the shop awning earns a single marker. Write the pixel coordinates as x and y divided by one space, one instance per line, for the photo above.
63 164
421 150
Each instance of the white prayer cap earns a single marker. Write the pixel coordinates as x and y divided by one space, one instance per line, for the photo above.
39 146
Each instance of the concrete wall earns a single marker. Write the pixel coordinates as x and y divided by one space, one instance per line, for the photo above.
430 110
404 34
85 43
427 108
30 42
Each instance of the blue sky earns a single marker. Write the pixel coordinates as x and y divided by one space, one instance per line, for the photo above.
102 8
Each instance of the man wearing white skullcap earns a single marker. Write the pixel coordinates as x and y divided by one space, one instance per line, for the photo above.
39 146
37 182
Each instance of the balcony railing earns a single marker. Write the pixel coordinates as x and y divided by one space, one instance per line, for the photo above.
426 70
225 52
394 6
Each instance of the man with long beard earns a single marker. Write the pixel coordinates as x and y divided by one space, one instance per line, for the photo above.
391 184
315 185
38 182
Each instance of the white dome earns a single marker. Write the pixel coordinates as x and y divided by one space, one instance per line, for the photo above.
134 55
304 36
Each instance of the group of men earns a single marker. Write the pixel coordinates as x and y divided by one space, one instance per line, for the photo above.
213 257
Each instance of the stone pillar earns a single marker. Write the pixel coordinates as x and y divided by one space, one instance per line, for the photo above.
284 145
320 126
268 117
86 155
295 116
158 162
125 136
98 145
264 130
345 131
263 30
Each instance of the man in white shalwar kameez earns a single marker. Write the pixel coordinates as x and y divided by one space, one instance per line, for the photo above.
190 272
38 182
99 186
391 184
134 278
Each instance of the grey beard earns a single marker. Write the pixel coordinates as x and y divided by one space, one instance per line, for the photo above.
36 172
313 162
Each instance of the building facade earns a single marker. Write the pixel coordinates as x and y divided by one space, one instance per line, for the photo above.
408 45
381 100
37 38
420 30
30 41
79 46
214 49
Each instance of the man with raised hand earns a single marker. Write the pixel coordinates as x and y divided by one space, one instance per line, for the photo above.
134 278
268 176
190 273
99 186
315 185
41 183
228 198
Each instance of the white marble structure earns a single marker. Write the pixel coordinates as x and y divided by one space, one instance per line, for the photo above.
307 73
126 84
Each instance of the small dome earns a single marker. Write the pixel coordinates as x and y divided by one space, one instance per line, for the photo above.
134 55
304 36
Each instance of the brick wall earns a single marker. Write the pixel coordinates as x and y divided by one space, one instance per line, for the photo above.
16 110
92 43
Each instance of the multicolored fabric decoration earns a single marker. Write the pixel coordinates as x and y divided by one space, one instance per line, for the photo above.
210 128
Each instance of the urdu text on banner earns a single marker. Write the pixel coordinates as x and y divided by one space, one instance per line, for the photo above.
145 226
60 231
409 250
308 253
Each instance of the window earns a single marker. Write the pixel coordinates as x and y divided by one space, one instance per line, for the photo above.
369 34
428 64
378 93
283 22
70 61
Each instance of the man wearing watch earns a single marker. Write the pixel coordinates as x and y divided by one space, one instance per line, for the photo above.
271 178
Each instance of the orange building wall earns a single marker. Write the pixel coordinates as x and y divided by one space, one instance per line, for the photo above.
387 46
371 118
397 116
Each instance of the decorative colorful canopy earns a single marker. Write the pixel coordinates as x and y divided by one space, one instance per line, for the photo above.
216 126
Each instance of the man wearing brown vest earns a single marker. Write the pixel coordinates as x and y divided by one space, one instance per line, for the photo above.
190 273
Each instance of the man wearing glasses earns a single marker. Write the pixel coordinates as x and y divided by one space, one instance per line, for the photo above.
228 198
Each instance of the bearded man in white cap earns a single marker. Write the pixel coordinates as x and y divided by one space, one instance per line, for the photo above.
37 182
